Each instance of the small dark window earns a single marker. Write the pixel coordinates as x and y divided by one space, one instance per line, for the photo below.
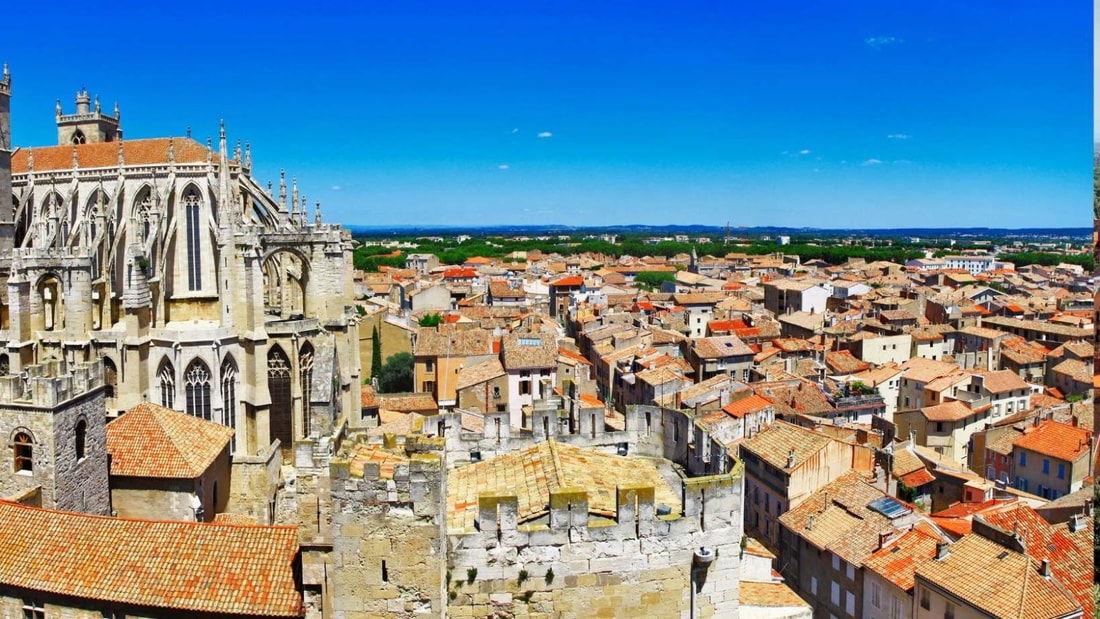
385 573
24 451
81 431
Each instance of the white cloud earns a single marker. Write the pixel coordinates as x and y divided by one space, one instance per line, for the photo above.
545 134
503 166
899 136
804 151
336 188
871 162
880 42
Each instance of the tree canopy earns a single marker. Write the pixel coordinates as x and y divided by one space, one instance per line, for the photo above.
396 375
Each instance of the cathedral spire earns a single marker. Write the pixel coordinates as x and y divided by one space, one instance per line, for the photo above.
294 196
304 212
57 110
171 151
317 218
248 155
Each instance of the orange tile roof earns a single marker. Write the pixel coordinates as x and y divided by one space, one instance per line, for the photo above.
917 478
179 566
105 154
1069 552
897 561
573 280
153 441
746 406
950 411
997 581
1057 440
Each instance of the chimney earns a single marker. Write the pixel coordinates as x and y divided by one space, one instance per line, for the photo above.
941 551
790 459
810 523
883 538
1044 570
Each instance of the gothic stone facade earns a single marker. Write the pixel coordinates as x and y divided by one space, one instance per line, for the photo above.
196 287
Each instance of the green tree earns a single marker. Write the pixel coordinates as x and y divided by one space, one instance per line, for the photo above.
652 280
396 375
375 353
430 320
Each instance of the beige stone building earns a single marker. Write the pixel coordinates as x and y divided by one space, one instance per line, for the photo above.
196 287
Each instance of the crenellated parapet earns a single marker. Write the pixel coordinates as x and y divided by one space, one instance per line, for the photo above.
48 384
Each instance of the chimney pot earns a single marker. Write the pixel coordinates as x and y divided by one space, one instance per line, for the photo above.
1044 570
941 551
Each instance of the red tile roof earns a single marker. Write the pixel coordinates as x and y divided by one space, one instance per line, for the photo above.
1069 552
1057 440
153 441
572 280
917 478
179 566
746 406
897 561
105 154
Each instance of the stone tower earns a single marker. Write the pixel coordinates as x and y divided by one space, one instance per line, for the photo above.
7 211
88 125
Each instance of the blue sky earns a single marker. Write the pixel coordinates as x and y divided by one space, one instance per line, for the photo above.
869 114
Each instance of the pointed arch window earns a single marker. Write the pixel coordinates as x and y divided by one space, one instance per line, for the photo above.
110 378
78 137
305 377
197 387
166 377
191 204
229 399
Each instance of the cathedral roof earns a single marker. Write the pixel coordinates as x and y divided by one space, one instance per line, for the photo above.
105 154
153 441
188 566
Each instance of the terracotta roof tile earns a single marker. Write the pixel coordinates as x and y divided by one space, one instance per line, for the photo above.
105 154
178 566
1057 440
777 440
769 594
997 581
897 561
153 441
747 406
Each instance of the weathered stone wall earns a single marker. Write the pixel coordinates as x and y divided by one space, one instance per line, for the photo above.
387 552
81 484
49 407
638 564
153 499
253 482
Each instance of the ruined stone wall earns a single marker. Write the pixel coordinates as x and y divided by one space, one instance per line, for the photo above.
638 564
388 549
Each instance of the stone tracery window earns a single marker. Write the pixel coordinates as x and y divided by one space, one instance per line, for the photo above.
305 375
191 204
197 387
229 398
166 377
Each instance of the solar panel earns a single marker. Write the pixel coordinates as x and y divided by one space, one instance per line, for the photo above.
889 507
